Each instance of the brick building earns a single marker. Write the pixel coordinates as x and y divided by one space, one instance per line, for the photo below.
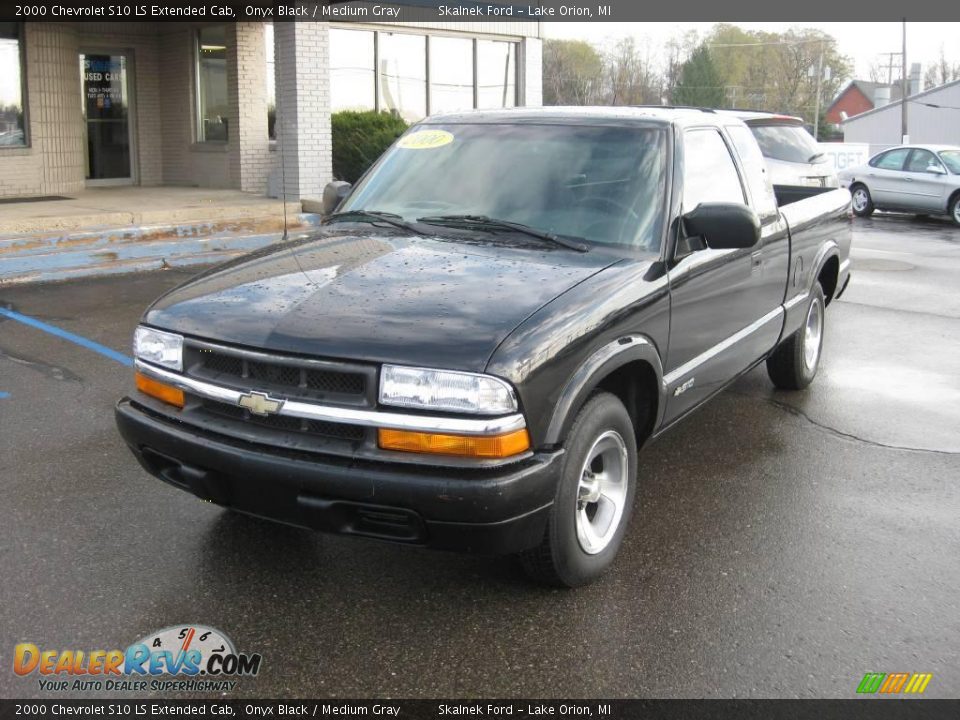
85 104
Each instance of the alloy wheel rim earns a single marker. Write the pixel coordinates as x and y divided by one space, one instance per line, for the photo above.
812 334
602 492
860 199
956 211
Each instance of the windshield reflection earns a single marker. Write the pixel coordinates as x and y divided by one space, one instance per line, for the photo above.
604 184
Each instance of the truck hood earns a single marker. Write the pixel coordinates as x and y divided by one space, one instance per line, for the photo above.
435 302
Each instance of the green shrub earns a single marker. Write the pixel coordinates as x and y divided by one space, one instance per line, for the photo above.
359 138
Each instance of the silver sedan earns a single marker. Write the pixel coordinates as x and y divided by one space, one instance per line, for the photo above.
923 179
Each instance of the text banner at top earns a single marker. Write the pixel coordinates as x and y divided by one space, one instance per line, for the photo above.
617 11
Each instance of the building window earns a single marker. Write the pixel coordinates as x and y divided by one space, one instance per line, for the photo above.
387 71
451 74
352 70
496 74
212 84
12 124
271 82
402 74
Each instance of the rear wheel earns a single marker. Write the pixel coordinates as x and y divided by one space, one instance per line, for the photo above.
862 202
594 497
794 363
955 209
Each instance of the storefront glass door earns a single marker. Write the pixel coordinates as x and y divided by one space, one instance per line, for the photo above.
106 110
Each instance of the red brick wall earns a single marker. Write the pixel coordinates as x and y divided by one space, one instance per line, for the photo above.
852 102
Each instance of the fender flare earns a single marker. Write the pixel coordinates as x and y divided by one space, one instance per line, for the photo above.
829 250
601 363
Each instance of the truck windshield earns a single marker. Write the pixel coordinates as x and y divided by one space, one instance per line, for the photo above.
790 143
603 184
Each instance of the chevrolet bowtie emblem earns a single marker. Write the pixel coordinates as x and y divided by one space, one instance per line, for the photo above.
260 403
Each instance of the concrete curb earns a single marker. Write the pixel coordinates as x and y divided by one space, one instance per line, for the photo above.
53 256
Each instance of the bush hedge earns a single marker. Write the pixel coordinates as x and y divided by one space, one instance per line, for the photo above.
359 138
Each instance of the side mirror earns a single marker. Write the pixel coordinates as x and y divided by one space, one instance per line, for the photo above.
333 195
723 225
936 170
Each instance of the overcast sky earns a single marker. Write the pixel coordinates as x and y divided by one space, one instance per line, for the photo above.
861 41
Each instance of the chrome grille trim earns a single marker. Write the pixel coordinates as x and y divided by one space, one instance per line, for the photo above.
345 415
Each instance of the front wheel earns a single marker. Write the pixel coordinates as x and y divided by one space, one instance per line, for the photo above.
794 363
862 202
594 497
955 210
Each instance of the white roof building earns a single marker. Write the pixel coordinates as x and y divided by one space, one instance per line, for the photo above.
933 117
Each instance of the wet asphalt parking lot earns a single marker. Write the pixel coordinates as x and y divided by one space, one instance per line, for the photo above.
782 546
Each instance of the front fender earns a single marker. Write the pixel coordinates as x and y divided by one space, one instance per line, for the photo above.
599 365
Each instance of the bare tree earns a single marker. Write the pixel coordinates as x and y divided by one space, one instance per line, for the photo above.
573 73
941 72
875 73
679 50
630 76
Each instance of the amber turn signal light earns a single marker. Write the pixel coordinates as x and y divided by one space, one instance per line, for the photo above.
159 390
475 446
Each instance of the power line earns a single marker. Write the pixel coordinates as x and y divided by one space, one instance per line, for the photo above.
763 44
934 105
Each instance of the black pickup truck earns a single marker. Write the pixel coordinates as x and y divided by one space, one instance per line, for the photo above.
470 352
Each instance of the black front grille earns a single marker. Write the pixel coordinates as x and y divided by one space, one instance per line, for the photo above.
223 364
336 383
339 431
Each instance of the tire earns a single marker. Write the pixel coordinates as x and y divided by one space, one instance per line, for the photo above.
955 209
862 202
793 365
594 497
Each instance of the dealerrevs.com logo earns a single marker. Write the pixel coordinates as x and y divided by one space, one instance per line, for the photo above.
190 658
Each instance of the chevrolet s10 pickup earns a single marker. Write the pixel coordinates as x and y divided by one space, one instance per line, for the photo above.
470 351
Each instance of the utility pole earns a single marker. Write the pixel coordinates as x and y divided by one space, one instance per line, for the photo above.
889 67
904 85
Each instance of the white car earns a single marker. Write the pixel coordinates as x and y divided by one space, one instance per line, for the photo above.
793 156
923 179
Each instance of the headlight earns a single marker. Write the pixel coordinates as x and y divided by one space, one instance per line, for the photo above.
158 347
445 390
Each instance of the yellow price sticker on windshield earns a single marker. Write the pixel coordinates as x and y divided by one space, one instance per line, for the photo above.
425 140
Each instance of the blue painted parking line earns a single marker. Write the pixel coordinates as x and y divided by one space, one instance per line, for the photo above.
4 395
68 336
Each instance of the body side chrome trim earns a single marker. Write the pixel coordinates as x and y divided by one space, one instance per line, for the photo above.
795 300
703 357
348 416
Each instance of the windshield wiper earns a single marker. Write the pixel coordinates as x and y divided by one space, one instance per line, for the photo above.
373 216
815 156
483 222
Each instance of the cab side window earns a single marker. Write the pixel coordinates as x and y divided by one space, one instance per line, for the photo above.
755 167
710 174
891 160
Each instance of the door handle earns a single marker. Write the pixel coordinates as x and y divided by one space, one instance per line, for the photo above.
909 179
756 260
